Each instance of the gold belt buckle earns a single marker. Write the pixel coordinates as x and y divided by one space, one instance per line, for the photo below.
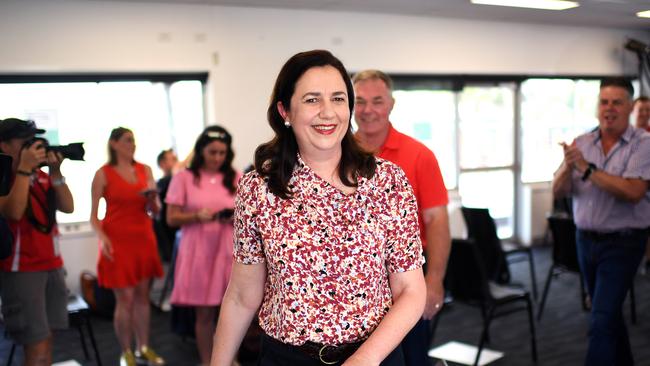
320 356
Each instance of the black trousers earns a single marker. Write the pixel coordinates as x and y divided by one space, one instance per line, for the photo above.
275 354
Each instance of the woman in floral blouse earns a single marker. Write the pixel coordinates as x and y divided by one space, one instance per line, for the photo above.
327 245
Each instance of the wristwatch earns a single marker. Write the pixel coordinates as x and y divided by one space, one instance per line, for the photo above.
58 182
590 169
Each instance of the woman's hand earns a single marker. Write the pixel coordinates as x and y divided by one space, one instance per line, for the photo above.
356 360
107 248
205 215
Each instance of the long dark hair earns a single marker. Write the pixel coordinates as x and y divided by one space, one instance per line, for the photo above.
116 134
276 159
209 135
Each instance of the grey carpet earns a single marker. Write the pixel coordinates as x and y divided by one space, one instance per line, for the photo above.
561 334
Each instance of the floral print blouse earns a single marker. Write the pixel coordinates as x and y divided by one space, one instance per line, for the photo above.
327 254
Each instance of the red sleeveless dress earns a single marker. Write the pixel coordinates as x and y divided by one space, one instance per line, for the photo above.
130 229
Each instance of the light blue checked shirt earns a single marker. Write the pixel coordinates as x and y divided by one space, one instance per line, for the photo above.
596 209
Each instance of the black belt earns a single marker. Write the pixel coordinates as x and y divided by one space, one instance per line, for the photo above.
609 235
326 354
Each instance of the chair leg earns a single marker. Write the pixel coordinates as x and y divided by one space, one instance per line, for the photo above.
92 338
533 278
531 322
632 304
484 334
11 354
83 340
484 316
547 286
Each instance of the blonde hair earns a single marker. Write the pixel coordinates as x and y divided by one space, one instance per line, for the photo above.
372 74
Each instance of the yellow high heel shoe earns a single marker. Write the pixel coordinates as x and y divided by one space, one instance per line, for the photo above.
150 356
127 359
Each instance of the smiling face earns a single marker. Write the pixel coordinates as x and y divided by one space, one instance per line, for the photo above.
214 154
372 107
320 113
614 107
642 113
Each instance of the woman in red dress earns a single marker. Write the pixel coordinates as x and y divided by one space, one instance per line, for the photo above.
128 258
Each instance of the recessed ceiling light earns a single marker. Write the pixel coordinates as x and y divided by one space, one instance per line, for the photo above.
643 14
534 4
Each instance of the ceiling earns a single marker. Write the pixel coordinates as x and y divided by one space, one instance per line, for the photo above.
597 13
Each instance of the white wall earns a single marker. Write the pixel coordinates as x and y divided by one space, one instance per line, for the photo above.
249 46
243 49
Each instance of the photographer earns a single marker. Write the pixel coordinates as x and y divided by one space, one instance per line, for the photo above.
32 285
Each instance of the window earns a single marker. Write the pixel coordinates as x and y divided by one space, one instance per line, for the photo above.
430 117
161 115
553 111
473 128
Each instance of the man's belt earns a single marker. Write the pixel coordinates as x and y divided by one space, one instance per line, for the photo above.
326 354
609 235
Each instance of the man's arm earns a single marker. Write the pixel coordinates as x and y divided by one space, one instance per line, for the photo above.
562 181
436 222
627 189
64 201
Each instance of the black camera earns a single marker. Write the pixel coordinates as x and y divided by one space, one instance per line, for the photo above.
73 151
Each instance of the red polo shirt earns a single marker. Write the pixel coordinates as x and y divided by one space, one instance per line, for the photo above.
421 168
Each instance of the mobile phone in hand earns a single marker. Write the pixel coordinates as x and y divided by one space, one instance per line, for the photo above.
225 214
149 191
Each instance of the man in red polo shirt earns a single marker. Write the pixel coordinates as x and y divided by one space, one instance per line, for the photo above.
32 287
373 104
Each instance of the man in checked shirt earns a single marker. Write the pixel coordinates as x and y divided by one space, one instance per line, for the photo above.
606 171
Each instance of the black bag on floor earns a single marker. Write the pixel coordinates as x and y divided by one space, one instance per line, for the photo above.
100 300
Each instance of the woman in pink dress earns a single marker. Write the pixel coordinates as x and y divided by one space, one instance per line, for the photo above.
200 200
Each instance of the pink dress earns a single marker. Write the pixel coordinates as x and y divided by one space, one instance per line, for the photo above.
205 253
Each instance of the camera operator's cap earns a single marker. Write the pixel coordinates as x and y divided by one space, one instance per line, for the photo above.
12 128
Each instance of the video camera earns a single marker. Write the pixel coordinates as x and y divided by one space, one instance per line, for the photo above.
73 151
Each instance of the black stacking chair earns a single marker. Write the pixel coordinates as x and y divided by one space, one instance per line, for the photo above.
79 317
565 256
497 254
565 260
467 282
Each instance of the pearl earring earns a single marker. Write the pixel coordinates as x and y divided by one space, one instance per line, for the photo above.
287 124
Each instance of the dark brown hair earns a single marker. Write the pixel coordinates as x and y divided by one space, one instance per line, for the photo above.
619 82
641 99
210 134
276 159
116 134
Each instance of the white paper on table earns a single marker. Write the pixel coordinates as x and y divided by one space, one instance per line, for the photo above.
464 353
67 363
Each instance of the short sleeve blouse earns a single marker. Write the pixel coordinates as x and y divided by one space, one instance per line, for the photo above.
328 255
